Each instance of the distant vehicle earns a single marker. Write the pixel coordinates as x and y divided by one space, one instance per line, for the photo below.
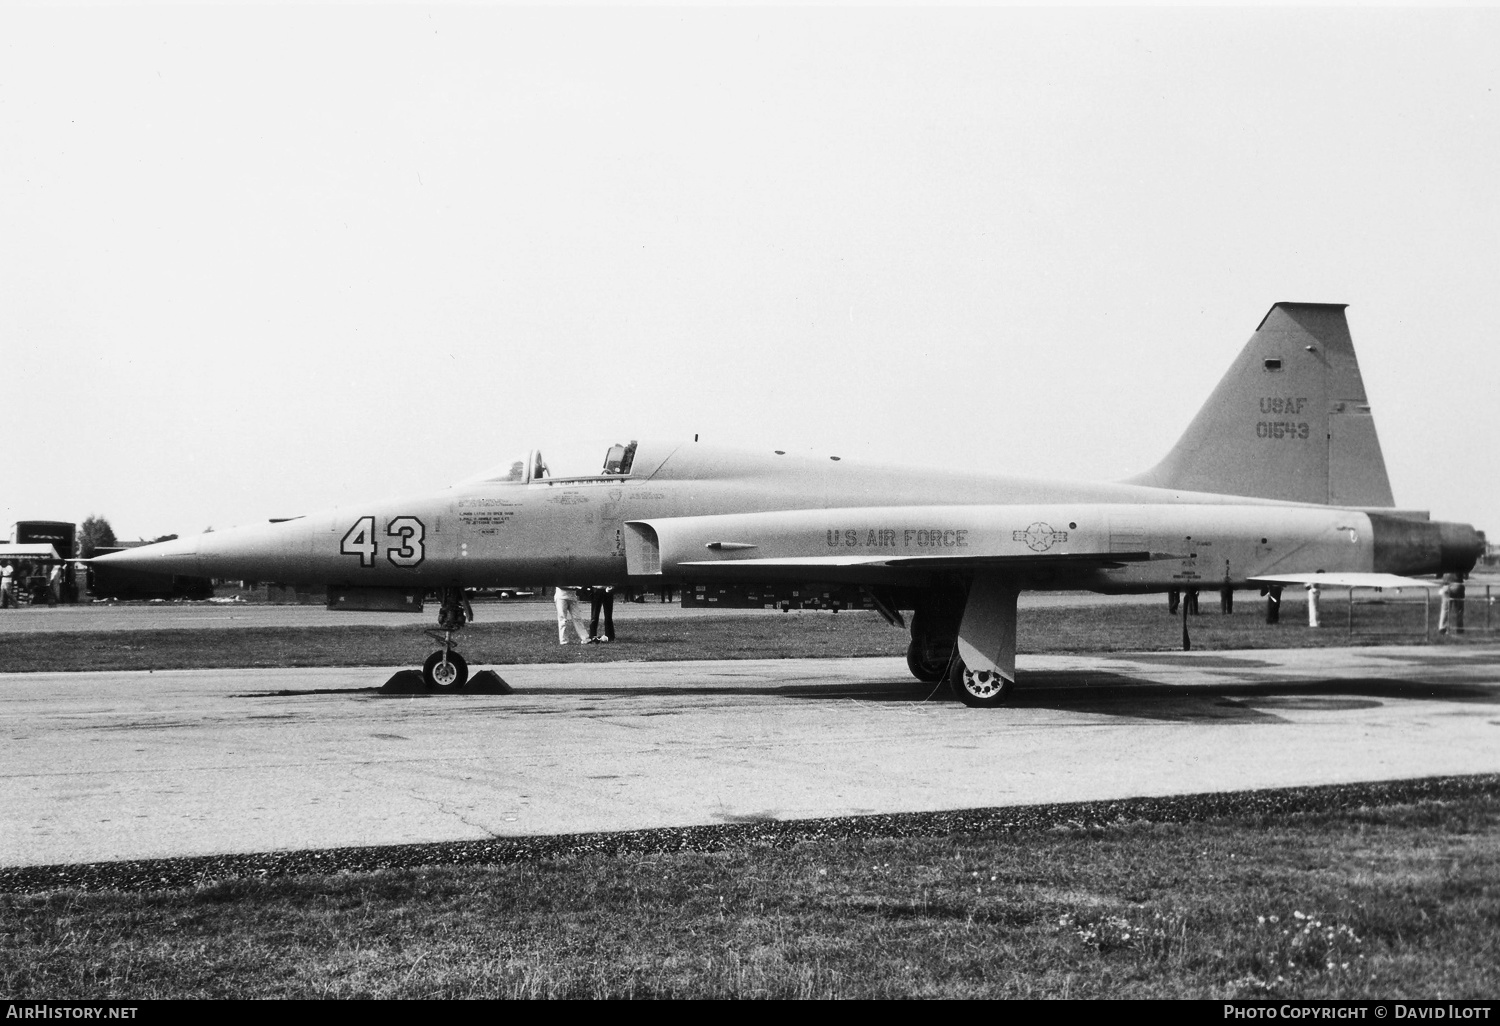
1279 475
501 593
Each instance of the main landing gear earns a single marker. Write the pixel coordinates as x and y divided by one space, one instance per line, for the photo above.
445 669
981 689
985 614
930 651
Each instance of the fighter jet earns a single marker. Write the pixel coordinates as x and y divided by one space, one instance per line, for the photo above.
1279 476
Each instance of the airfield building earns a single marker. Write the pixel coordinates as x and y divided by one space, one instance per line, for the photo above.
35 548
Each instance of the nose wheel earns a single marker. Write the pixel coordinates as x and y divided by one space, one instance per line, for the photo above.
445 669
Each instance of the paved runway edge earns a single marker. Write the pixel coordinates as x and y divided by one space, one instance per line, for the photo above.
154 874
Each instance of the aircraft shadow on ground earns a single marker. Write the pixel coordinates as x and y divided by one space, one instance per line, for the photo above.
1115 694
1105 693
1082 691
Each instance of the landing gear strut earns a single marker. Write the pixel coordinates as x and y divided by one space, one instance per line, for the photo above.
930 649
445 669
979 619
934 632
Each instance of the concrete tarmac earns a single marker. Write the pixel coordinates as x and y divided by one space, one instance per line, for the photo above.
115 765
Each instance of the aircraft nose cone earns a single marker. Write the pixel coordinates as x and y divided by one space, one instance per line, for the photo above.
178 556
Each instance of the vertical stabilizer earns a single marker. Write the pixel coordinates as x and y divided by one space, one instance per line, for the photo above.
1289 421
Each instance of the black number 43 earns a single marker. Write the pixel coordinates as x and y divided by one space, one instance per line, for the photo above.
403 541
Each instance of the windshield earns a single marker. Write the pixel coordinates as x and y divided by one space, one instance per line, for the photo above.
527 466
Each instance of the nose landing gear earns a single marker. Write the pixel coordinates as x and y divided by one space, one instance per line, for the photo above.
445 669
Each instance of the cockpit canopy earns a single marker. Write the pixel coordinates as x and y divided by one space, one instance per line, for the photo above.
517 471
619 459
530 467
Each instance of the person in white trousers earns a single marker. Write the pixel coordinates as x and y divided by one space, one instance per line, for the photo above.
568 610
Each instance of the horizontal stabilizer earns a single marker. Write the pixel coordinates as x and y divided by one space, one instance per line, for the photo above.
1349 580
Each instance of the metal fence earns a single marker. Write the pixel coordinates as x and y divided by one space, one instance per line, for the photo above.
1370 612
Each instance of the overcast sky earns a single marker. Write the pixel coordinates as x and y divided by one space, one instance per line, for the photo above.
254 262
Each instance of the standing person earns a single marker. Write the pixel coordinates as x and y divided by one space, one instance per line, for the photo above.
1173 597
1451 604
1273 605
7 586
1313 591
1191 598
568 611
602 598
54 584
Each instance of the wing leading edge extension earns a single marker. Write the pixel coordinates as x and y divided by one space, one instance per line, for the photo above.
882 543
1081 560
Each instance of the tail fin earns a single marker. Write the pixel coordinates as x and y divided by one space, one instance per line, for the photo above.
1289 421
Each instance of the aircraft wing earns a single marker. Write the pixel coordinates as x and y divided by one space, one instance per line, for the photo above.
1348 580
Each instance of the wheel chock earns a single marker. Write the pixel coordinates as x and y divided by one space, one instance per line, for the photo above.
405 682
488 682
409 682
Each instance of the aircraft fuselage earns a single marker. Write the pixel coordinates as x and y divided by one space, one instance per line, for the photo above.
800 518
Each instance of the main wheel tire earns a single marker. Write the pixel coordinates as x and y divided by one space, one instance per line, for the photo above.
984 689
445 671
924 670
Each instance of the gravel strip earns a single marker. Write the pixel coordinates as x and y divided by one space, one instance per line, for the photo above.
157 874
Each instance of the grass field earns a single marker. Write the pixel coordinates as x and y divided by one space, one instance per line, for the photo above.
1376 902
1098 628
